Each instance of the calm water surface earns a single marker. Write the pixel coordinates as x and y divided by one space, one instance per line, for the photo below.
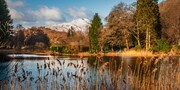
43 72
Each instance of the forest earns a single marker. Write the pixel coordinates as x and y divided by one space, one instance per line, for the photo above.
143 25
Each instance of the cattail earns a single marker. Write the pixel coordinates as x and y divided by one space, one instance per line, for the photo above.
156 61
63 62
59 70
82 62
82 70
31 78
37 65
45 78
49 65
24 78
64 79
59 62
19 79
16 67
23 71
154 70
84 73
68 74
45 66
62 87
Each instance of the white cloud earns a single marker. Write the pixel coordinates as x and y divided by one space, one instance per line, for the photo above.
77 12
42 16
15 3
51 22
15 15
48 14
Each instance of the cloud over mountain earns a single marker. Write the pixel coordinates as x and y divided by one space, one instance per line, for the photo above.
44 15
48 13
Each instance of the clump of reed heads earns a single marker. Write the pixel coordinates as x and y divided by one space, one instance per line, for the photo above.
116 73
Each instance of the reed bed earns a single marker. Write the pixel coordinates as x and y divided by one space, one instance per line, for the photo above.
97 73
137 53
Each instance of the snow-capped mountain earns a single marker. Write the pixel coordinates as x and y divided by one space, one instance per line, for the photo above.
77 25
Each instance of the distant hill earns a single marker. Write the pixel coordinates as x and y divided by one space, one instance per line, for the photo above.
77 25
58 33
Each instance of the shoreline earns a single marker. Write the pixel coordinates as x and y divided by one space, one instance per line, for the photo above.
131 53
86 54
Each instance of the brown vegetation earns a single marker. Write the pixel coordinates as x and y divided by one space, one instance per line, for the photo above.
170 20
114 73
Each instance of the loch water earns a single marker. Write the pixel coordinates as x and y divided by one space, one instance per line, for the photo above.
45 72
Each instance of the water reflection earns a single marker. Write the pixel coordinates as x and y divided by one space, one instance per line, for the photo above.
92 73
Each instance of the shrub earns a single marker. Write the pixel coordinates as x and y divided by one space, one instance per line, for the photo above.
176 48
162 45
60 49
66 51
53 48
91 51
137 47
85 49
106 49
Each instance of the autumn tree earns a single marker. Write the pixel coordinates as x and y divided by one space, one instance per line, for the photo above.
170 19
5 23
37 39
19 39
119 25
148 22
94 31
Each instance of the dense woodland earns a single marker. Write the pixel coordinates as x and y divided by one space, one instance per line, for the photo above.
143 25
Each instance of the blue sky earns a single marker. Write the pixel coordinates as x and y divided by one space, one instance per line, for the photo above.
48 12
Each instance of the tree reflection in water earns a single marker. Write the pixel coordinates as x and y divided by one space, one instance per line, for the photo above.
92 73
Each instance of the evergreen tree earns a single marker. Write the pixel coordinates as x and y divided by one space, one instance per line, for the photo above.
94 31
5 23
70 32
148 21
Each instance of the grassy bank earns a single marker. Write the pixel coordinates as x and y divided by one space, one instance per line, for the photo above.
139 53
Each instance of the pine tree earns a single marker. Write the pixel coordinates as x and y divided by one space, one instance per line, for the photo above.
5 23
70 32
148 21
94 33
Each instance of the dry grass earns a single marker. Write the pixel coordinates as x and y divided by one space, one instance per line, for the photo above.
156 73
137 53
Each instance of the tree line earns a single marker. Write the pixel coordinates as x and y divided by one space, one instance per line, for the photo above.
138 26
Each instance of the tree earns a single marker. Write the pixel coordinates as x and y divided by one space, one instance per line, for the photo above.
148 21
119 25
70 32
5 23
37 39
19 39
19 27
170 18
94 31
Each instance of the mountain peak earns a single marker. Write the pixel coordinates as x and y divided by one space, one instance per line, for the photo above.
81 24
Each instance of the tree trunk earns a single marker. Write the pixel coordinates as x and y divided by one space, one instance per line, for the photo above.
139 44
127 44
101 48
147 39
138 37
112 49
